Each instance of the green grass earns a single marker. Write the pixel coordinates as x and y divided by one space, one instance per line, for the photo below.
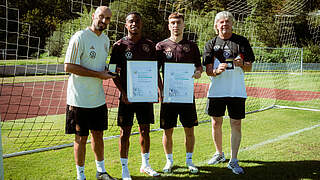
295 157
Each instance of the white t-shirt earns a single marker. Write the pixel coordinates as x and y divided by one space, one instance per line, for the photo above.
90 51
229 83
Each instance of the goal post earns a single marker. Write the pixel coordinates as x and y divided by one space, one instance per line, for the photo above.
1 156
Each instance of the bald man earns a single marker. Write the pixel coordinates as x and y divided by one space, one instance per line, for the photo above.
86 107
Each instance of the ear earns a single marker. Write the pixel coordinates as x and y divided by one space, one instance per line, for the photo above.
92 16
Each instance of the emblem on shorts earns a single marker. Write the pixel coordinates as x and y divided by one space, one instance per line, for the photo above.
168 53
186 48
216 47
128 55
145 47
92 54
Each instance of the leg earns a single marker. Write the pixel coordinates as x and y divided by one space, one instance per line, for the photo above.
189 139
235 137
217 132
124 142
97 144
144 130
167 140
80 154
80 149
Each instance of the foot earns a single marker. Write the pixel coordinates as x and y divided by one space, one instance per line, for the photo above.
168 167
104 176
149 171
217 158
234 166
192 168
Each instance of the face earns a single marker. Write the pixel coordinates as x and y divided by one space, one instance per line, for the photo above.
176 26
224 26
133 24
101 18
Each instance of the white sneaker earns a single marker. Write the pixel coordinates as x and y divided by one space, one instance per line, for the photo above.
192 168
149 171
234 166
104 176
217 158
126 174
168 167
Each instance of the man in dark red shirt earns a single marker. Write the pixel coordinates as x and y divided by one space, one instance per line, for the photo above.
175 49
133 47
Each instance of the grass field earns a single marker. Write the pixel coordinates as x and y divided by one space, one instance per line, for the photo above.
276 144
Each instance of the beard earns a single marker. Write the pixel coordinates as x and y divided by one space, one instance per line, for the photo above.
100 27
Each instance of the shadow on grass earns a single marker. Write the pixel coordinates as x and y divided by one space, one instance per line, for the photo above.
289 170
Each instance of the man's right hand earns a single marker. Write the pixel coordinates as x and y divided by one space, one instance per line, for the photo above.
105 75
221 68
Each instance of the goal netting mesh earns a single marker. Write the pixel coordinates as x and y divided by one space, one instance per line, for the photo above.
33 85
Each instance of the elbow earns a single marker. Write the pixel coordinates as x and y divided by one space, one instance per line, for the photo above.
67 67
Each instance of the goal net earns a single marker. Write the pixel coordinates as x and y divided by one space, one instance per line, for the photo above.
33 82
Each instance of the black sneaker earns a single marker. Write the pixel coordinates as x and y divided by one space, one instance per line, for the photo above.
104 176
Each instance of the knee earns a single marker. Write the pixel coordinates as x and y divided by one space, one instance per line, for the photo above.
81 140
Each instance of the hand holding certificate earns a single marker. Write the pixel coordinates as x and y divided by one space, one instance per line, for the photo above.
142 81
178 83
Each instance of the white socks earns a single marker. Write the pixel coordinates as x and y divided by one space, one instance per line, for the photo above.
169 158
189 158
145 159
125 170
80 173
100 166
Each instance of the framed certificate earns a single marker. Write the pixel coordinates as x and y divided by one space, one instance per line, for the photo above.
142 81
178 83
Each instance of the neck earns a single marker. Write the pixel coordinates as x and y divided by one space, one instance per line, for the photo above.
134 37
98 33
176 38
225 36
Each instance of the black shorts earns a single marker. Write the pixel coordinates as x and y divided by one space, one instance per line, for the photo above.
236 107
80 120
169 114
144 113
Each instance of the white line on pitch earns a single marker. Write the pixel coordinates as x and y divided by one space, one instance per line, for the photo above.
279 138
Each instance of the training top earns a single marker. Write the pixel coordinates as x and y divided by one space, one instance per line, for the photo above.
185 51
229 83
90 51
126 50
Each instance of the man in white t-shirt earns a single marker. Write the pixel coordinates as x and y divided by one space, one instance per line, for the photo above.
226 57
86 107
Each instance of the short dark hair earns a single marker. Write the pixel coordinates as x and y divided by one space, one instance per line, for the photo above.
176 15
134 13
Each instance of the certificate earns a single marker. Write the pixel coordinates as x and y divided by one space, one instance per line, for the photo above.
142 81
178 83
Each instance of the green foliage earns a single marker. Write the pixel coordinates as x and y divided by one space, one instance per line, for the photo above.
311 53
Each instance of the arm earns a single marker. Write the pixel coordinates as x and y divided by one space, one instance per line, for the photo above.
214 72
82 71
197 72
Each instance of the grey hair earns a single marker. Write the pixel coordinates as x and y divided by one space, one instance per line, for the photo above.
220 15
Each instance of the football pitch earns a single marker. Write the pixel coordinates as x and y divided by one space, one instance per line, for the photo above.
276 144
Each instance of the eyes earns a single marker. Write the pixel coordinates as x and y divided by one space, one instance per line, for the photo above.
107 18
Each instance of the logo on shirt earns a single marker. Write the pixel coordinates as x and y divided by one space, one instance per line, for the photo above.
186 48
145 47
92 54
216 47
128 55
226 54
168 53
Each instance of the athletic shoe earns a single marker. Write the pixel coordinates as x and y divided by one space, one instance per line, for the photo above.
104 176
149 171
168 167
217 158
192 168
234 166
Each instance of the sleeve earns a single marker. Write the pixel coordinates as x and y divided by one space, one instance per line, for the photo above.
115 55
247 51
160 56
197 56
74 50
208 53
